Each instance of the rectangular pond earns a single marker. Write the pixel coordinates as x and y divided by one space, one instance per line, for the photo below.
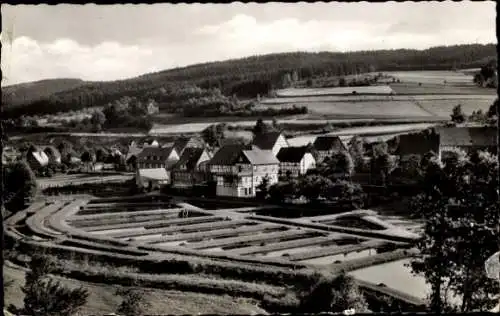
397 275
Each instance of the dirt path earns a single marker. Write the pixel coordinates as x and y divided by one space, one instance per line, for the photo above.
103 300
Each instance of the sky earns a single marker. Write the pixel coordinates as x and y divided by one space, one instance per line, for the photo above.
110 42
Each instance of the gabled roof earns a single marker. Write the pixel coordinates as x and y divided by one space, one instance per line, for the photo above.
468 136
41 157
228 154
162 152
328 142
266 141
133 151
292 154
150 141
182 143
190 157
154 174
257 156
54 150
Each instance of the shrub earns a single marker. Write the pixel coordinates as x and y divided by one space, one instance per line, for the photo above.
45 296
333 294
134 302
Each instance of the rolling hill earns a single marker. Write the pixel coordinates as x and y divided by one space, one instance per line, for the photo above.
25 93
245 77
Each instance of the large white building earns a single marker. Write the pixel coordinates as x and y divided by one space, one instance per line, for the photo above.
239 169
158 158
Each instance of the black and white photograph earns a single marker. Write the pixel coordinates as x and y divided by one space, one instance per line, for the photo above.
250 158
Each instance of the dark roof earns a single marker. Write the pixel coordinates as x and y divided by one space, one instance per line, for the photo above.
292 154
468 136
257 156
228 154
417 144
189 157
182 143
54 151
266 141
328 142
161 152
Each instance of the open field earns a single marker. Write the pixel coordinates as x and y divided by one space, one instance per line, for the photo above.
371 98
412 88
444 107
379 109
432 76
293 92
103 300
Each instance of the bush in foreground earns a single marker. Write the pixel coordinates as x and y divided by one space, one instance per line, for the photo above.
134 302
45 296
333 294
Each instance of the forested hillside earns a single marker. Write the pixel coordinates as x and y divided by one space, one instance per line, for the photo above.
250 76
24 93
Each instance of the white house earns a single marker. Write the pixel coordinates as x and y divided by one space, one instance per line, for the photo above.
295 161
157 157
239 169
272 141
37 159
326 146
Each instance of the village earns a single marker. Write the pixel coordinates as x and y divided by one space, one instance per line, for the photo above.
250 159
238 170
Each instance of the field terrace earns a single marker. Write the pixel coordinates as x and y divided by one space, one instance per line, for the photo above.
160 233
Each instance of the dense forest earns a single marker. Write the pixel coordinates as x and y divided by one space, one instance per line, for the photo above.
244 78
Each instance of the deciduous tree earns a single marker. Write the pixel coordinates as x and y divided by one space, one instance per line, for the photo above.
459 204
457 114
20 186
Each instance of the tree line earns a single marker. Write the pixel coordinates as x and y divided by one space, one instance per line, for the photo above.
254 75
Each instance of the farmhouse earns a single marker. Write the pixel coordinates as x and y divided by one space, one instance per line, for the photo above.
182 143
152 108
239 169
418 143
468 139
272 141
295 161
37 159
156 157
153 178
326 146
53 153
191 168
